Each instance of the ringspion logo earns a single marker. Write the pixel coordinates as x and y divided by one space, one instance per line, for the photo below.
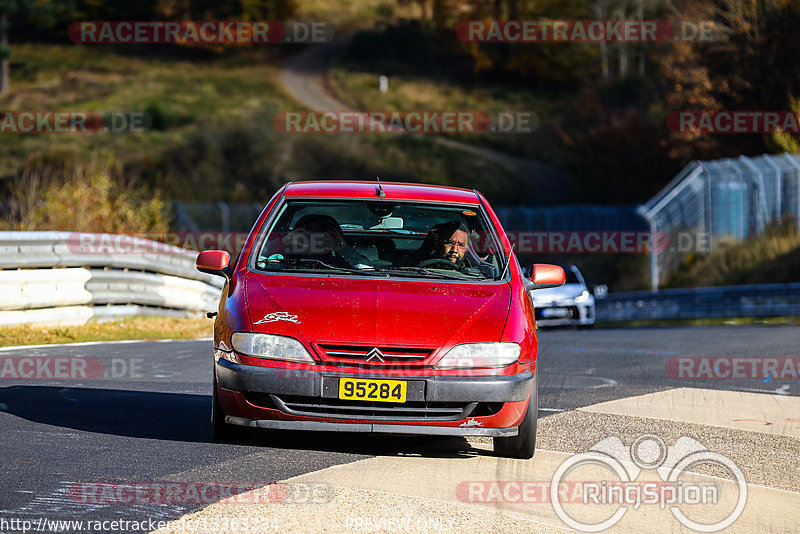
620 488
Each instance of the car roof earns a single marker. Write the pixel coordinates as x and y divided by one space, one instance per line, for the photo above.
393 191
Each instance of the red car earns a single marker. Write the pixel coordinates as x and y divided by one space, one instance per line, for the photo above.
369 307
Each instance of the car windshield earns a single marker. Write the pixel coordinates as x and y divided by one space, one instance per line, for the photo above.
381 238
571 277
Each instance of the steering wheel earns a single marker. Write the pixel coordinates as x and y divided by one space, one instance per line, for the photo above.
439 263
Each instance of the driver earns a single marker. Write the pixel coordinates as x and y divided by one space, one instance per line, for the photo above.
447 241
454 248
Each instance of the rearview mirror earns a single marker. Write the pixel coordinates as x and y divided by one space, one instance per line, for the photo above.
544 275
213 262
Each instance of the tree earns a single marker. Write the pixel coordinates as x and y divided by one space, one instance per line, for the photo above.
227 10
6 8
41 12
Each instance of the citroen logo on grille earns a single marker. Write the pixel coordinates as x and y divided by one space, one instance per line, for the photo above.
375 353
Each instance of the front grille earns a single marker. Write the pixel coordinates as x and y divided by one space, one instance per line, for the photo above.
346 409
373 355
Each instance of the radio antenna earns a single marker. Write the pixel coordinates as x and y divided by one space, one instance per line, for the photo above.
380 191
508 261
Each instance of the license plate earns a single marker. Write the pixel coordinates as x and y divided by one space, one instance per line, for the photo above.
372 390
554 312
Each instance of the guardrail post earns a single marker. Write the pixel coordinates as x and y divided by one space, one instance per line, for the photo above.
225 214
654 281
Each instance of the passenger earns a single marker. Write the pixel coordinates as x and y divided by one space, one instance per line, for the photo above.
320 237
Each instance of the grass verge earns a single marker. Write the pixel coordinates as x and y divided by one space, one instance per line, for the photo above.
770 258
132 328
212 133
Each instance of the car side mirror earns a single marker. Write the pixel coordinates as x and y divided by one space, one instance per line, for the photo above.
544 275
214 262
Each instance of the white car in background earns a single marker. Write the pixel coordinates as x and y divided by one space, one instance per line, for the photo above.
570 304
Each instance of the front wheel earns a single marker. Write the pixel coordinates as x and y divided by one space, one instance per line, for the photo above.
523 444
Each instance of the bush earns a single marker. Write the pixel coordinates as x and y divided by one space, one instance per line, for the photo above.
773 257
89 197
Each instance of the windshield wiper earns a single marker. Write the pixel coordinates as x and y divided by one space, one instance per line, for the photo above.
423 270
261 264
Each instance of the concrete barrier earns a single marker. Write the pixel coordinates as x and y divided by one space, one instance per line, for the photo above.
71 278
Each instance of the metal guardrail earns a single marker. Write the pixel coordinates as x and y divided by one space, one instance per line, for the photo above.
763 300
22 250
71 278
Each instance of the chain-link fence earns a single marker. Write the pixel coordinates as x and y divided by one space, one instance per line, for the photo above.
712 201
570 218
216 216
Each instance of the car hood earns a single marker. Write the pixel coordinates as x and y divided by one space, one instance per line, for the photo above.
377 311
543 297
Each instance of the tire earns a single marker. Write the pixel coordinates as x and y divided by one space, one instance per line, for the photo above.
220 430
523 445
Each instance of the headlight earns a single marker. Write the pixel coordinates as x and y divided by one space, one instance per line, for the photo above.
583 297
476 355
270 346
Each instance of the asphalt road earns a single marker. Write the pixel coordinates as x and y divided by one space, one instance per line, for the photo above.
146 420
585 367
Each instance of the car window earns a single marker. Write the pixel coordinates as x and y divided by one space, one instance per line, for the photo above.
571 277
381 238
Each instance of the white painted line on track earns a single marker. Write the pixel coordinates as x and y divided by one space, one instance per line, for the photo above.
783 390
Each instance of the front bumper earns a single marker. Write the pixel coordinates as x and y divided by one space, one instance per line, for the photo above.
280 398
279 381
368 427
